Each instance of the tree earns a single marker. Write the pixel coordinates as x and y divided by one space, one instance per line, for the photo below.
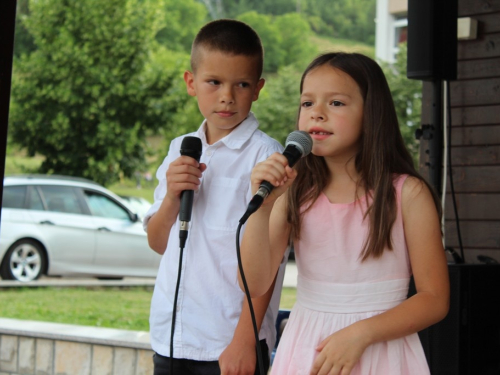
97 82
407 96
183 19
23 41
270 35
278 104
295 32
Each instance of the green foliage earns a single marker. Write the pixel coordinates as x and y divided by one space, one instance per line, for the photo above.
97 82
274 55
233 8
407 96
295 31
183 19
278 104
23 41
348 19
285 39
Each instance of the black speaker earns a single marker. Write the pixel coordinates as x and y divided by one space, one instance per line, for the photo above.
432 39
467 341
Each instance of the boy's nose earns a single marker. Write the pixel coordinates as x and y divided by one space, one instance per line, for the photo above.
227 96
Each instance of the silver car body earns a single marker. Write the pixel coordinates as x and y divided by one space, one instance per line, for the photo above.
83 242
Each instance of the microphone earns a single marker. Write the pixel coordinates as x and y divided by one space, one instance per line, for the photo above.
190 146
298 144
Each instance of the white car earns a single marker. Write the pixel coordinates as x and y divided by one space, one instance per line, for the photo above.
57 225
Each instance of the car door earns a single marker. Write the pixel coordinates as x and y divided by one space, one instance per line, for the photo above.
68 232
121 247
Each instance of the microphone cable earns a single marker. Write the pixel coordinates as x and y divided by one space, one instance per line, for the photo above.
260 360
450 174
192 147
174 311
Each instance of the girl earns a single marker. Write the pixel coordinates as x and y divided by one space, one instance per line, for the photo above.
362 221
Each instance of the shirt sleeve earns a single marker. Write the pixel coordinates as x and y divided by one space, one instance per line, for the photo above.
161 188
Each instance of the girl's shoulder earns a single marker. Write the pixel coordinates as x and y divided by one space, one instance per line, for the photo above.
416 194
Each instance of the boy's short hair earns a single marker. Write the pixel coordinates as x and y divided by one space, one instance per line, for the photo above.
231 37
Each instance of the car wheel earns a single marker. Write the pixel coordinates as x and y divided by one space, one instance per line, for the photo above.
24 261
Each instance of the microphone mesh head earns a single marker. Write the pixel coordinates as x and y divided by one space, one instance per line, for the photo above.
191 146
300 139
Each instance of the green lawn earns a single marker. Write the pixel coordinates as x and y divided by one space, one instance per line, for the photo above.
122 308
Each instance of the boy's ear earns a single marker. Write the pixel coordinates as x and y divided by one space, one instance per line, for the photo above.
259 87
189 79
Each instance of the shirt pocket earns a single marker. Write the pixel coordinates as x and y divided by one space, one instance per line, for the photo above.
227 199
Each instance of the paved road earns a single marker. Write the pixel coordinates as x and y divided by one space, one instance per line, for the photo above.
289 281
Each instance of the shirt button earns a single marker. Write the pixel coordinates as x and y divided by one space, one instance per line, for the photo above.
209 152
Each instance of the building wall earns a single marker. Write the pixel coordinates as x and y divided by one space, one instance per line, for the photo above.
475 140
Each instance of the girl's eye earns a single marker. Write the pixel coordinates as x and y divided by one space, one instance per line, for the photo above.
336 103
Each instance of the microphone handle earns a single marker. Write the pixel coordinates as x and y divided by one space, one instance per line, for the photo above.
292 154
186 205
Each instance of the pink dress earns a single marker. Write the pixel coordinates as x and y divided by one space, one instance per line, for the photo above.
334 290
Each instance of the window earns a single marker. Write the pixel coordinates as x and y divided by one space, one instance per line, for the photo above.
61 199
34 199
102 206
14 196
400 35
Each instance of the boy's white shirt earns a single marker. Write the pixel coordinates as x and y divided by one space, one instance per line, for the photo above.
210 299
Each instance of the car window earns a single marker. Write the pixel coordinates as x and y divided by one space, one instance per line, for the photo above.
102 206
61 199
34 201
14 196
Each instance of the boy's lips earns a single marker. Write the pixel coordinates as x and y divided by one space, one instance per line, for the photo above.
225 113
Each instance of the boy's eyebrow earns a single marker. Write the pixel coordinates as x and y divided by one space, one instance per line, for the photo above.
217 76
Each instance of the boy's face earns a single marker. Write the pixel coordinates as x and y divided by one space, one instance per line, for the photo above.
225 86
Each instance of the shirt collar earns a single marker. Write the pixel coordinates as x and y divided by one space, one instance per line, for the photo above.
237 138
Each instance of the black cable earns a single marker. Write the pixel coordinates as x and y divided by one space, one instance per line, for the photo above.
172 329
450 174
249 299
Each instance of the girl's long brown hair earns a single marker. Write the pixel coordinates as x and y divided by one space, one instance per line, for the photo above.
382 155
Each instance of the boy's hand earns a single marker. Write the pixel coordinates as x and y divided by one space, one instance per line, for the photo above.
276 171
238 358
184 173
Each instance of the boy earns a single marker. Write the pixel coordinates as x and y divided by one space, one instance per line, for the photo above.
213 328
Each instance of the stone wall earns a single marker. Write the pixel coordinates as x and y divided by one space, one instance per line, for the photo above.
38 348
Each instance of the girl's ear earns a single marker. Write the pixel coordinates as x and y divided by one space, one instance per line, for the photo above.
189 79
259 87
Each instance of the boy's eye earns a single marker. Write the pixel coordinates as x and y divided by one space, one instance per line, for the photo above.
306 104
213 82
336 103
244 84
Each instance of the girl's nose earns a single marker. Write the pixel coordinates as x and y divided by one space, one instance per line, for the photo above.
318 114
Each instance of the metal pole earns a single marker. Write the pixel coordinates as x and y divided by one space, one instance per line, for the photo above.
7 27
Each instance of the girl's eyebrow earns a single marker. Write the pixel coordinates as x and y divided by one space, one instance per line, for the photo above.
331 93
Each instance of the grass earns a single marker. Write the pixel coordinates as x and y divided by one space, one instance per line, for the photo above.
121 308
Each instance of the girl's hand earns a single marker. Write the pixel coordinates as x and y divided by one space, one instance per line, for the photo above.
183 173
339 352
276 171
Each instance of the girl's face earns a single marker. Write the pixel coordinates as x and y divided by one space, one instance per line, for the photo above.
331 111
